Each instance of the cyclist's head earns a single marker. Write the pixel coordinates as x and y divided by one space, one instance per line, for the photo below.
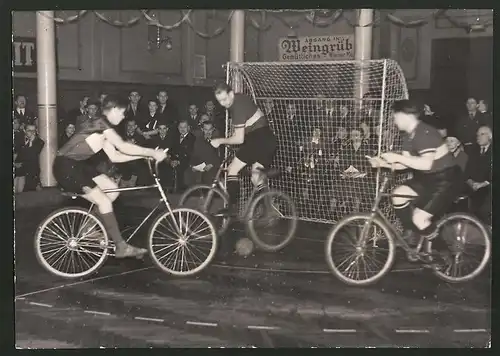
113 109
224 95
406 114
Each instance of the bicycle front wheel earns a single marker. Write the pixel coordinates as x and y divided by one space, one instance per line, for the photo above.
468 247
71 243
353 247
271 221
209 201
182 242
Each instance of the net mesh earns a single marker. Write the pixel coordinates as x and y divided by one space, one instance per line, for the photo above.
327 117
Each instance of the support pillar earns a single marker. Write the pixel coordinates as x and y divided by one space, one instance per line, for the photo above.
47 97
237 49
363 49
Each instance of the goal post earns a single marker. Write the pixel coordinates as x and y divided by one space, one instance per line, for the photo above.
324 128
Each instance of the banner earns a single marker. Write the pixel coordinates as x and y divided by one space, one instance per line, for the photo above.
24 54
317 48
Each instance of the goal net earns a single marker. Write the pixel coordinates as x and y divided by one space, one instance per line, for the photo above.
327 117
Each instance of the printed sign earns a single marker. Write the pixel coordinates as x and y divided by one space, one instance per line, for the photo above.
24 54
317 48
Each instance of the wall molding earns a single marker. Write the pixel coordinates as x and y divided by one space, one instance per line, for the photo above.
409 52
79 61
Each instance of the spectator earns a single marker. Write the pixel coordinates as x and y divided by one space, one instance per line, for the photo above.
18 132
167 111
182 149
218 118
479 173
150 127
456 148
268 107
430 118
27 160
198 128
102 96
92 110
24 115
130 171
164 140
69 131
466 126
81 111
205 160
193 115
483 108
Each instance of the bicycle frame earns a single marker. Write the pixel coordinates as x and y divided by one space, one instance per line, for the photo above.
163 200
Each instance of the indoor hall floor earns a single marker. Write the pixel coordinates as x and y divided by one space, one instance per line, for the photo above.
287 299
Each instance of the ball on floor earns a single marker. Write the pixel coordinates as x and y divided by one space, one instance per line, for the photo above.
244 247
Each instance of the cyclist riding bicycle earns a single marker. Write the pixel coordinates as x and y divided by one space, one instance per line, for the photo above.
75 172
252 132
436 173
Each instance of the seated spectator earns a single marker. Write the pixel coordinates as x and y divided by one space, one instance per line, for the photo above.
69 131
164 140
18 129
130 171
27 160
466 126
198 128
456 148
205 160
92 114
150 127
182 149
479 174
193 116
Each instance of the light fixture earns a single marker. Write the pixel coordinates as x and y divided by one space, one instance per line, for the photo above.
155 39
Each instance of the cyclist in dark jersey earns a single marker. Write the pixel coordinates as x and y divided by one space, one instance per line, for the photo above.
252 132
435 171
75 172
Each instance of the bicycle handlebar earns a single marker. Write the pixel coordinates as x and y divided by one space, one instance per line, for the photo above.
153 169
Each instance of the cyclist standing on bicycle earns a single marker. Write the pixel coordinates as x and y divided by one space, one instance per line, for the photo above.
76 173
252 132
435 171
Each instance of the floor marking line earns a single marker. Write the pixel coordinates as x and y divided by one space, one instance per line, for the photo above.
470 331
41 304
262 327
96 312
200 323
339 330
149 319
83 282
412 331
295 270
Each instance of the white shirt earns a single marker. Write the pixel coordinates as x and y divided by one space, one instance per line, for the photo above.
484 149
20 111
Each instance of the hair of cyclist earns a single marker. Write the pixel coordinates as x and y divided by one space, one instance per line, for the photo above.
223 88
113 102
408 107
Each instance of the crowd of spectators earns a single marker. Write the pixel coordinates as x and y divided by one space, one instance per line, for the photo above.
321 144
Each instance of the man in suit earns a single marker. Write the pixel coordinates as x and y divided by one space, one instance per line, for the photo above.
131 171
182 150
149 128
91 113
483 108
205 160
21 113
164 140
73 114
466 126
134 112
167 111
27 159
479 174
193 115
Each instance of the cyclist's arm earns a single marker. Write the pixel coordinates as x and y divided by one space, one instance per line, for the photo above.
115 156
419 163
399 166
127 148
237 138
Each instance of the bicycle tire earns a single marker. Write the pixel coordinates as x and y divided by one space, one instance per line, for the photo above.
154 254
225 221
39 235
487 242
331 237
250 222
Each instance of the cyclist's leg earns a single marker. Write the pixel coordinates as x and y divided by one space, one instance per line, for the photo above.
403 206
233 182
93 193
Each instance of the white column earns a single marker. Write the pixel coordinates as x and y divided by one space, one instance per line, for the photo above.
237 49
47 111
363 48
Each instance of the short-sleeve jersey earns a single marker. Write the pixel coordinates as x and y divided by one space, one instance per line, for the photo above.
425 139
242 110
87 141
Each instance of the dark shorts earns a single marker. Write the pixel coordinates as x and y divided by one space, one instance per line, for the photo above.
436 191
259 146
73 175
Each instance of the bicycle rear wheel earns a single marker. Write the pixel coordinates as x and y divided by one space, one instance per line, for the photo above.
182 243
353 262
467 240
271 221
71 243
209 201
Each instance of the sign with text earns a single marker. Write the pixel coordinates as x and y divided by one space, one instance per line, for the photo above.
24 54
317 48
